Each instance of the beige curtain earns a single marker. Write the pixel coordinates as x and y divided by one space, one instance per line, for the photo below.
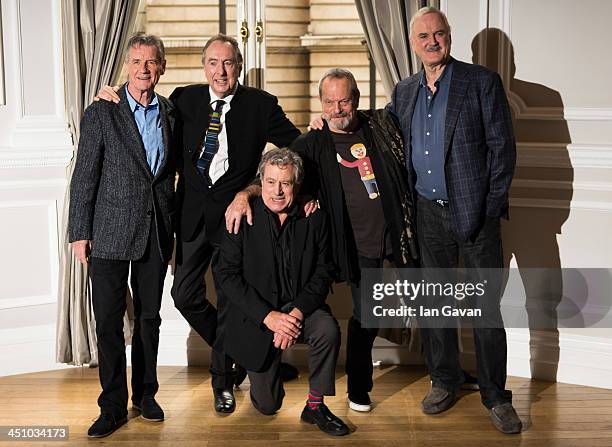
385 24
386 27
95 33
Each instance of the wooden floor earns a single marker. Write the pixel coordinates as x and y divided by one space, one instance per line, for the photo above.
553 414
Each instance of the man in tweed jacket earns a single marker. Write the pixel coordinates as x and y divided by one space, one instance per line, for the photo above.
121 207
461 153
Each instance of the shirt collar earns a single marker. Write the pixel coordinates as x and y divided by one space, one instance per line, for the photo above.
293 212
214 97
444 77
135 105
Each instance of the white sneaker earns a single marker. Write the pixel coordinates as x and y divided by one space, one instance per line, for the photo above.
360 403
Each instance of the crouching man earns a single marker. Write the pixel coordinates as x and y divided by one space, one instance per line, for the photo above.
276 274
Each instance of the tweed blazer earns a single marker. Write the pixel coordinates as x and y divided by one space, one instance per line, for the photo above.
113 194
479 144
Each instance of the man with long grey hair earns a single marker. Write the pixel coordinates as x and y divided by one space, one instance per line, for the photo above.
357 172
276 274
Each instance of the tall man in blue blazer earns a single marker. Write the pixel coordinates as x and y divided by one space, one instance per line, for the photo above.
461 154
120 221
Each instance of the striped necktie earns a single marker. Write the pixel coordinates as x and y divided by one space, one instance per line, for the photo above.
211 141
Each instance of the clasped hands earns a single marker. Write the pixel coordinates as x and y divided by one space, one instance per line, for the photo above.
287 327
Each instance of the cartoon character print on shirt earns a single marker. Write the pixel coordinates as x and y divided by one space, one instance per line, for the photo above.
363 164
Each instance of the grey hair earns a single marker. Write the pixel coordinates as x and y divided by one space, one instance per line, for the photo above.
224 39
148 40
340 73
282 157
429 10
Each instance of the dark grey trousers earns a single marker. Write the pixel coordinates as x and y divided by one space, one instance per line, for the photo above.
322 334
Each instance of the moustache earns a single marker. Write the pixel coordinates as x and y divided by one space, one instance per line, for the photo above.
433 48
339 115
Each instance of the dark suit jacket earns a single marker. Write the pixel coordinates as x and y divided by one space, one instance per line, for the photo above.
479 145
113 194
254 119
248 277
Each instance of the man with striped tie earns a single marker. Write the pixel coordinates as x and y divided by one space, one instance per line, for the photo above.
224 129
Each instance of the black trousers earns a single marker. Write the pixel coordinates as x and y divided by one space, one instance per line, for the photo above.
109 279
441 249
322 334
189 294
360 340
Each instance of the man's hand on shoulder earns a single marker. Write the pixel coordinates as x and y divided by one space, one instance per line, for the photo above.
81 250
240 207
316 123
309 204
108 93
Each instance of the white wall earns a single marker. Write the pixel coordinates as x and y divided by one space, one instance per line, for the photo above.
551 58
35 147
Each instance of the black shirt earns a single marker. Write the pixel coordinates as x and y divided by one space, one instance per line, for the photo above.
361 193
282 236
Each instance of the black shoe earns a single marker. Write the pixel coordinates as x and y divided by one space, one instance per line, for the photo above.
239 374
224 400
438 400
105 425
360 402
288 372
325 420
150 409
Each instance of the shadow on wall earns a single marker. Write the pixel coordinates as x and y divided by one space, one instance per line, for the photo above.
540 196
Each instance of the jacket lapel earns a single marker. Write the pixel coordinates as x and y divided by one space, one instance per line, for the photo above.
232 120
205 111
458 86
412 94
167 122
131 130
300 231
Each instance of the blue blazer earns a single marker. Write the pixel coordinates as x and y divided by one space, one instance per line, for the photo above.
479 144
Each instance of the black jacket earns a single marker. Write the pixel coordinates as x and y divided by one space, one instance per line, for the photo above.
248 277
322 180
255 118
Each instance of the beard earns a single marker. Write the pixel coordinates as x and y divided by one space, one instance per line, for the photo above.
341 121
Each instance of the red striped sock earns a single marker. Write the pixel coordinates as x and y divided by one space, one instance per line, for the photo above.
314 399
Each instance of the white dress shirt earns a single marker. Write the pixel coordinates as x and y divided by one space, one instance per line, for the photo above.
220 162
